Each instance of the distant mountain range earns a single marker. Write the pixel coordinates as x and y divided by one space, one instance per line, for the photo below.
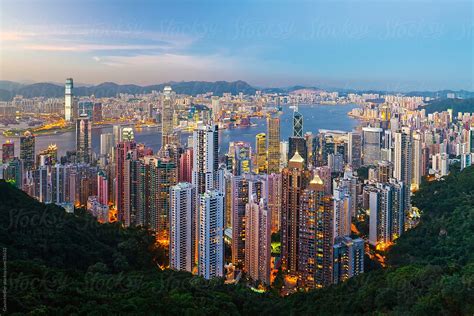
9 89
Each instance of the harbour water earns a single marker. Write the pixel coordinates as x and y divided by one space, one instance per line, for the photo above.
316 117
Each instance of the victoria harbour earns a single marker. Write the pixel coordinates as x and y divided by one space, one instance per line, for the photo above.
317 116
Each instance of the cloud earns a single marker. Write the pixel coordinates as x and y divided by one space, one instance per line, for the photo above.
90 47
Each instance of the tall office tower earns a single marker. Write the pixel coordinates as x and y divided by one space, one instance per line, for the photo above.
182 227
68 100
106 148
127 134
117 132
403 161
242 158
186 166
342 212
83 139
348 258
27 151
297 123
354 150
121 152
384 171
274 200
417 162
295 178
371 144
387 212
243 187
205 161
273 144
102 188
257 240
167 112
311 202
261 153
216 108
211 234
8 151
298 144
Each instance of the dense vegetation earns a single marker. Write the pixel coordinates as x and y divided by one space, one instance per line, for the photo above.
66 264
457 105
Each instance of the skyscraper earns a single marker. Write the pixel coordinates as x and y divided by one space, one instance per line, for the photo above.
273 144
8 151
257 240
182 227
387 212
211 234
371 145
167 112
311 202
298 144
417 162
205 162
242 158
403 161
121 152
167 177
106 148
297 123
186 166
274 200
27 151
68 100
261 153
295 178
216 109
354 150
243 188
83 139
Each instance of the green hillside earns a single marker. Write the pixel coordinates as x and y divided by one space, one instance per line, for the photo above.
60 263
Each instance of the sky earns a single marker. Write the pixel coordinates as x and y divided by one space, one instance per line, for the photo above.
358 44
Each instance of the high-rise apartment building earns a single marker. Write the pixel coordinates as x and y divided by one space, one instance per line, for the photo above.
211 234
354 150
257 240
182 227
27 151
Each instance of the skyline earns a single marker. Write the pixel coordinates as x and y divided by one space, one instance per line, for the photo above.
326 45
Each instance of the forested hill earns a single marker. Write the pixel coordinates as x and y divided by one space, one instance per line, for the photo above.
457 105
68 264
110 89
